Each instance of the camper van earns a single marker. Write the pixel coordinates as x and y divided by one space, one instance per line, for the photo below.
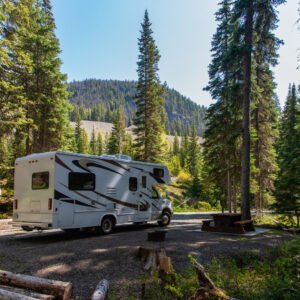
76 191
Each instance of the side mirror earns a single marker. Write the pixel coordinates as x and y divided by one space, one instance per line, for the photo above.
167 194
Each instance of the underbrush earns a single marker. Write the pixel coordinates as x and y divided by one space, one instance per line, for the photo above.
5 209
269 220
272 275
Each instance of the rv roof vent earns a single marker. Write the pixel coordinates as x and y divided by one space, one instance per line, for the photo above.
108 156
118 156
123 157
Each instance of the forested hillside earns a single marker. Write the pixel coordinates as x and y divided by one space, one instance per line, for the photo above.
97 100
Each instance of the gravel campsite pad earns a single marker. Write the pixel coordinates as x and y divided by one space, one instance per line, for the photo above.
84 258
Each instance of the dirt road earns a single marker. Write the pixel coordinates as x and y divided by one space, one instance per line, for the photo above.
84 258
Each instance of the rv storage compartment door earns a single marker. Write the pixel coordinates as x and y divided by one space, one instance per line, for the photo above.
66 214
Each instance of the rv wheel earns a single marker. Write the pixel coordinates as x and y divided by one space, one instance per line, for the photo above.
165 219
107 225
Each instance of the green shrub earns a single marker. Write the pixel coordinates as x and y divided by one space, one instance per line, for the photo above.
204 206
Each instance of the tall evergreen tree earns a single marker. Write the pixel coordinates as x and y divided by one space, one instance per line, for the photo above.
99 144
149 99
265 112
117 137
93 143
288 183
222 136
128 145
34 88
237 72
49 88
176 146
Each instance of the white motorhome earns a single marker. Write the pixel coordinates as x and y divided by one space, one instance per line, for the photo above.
72 191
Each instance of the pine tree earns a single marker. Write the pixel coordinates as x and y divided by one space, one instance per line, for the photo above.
128 145
34 88
184 150
149 99
49 88
264 116
93 143
117 137
83 142
99 144
288 183
193 162
15 64
193 154
238 72
176 147
223 118
81 138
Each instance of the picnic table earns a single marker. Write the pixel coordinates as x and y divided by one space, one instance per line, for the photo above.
227 222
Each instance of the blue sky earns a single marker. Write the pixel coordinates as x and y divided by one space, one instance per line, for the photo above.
98 39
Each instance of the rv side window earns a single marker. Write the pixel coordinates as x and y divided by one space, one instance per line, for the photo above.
81 181
158 172
40 181
133 184
144 181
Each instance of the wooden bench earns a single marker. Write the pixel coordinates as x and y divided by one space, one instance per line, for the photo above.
206 224
244 225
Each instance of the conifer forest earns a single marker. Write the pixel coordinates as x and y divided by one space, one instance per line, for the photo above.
240 154
37 105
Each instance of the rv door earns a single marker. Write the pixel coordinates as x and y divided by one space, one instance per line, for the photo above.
144 198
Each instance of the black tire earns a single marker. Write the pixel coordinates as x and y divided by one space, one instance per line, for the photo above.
165 219
26 228
107 225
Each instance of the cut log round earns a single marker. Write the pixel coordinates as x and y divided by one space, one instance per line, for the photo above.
101 290
61 290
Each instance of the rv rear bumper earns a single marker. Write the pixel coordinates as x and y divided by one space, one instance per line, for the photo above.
31 225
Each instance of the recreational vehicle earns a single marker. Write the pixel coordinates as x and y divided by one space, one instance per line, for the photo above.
75 191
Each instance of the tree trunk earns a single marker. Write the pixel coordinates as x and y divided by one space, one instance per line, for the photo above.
246 214
229 200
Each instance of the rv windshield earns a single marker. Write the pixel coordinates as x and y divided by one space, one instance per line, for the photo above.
155 192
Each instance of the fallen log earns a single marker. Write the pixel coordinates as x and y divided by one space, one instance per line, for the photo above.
61 290
9 295
25 292
101 290
208 290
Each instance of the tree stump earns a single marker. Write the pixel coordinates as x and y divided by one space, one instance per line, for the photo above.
155 260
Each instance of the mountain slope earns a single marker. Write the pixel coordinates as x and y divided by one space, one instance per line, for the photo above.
97 100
